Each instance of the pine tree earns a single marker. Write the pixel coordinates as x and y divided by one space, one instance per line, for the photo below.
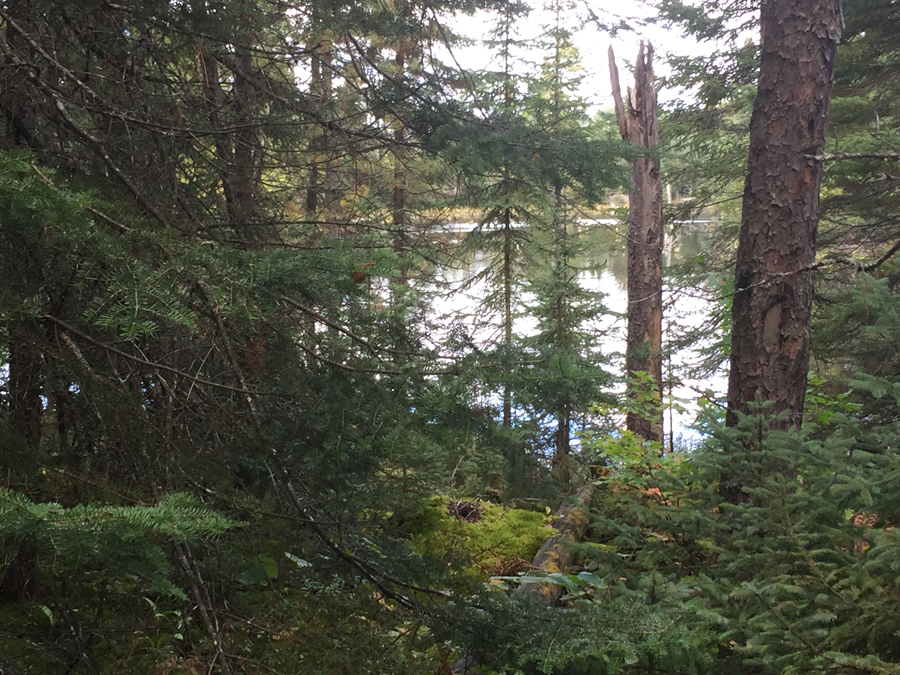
776 254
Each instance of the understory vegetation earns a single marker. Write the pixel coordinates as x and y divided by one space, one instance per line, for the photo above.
305 359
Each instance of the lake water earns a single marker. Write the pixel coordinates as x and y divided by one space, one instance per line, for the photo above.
686 316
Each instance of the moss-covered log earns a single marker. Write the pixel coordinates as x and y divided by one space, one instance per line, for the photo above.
556 555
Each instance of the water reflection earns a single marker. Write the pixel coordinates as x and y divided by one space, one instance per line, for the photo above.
463 288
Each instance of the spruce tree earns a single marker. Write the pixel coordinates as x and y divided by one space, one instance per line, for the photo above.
568 375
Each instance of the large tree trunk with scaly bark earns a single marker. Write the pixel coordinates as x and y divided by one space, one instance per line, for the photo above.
776 255
775 268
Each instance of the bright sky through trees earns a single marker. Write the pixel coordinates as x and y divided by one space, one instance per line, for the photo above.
587 21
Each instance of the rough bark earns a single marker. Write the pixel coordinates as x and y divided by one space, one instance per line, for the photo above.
236 129
399 196
214 98
774 272
406 50
321 90
26 380
19 578
638 124
17 98
245 173
562 461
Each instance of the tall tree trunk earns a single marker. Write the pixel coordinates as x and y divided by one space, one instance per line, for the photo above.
320 88
245 173
16 94
638 124
562 461
214 98
776 255
398 201
507 313
563 338
405 50
24 342
508 98
238 152
26 379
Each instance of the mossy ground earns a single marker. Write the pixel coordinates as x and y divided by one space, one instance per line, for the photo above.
501 541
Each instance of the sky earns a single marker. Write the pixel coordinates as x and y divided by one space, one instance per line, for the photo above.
592 43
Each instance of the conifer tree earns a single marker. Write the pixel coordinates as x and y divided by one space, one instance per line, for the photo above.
506 195
569 377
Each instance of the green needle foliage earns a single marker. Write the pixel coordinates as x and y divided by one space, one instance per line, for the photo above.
118 537
218 228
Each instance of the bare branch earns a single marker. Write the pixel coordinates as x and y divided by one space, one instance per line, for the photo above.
836 157
150 364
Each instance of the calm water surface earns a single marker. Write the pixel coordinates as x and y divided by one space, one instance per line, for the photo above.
460 300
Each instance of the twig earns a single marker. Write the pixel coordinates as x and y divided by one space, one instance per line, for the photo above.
151 364
836 157
331 324
91 140
201 598
368 571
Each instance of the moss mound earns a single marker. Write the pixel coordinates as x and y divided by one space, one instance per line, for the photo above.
480 538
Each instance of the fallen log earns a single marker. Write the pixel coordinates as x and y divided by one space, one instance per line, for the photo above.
555 555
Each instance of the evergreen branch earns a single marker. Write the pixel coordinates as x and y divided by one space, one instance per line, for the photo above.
344 366
153 364
878 667
413 93
318 316
317 117
99 148
331 324
123 229
102 105
364 568
379 371
229 352
306 517
85 135
811 563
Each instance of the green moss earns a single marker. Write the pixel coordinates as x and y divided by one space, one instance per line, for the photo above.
501 541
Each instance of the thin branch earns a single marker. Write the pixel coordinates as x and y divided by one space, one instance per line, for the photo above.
90 139
838 156
351 369
201 598
150 364
331 324
354 561
883 259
